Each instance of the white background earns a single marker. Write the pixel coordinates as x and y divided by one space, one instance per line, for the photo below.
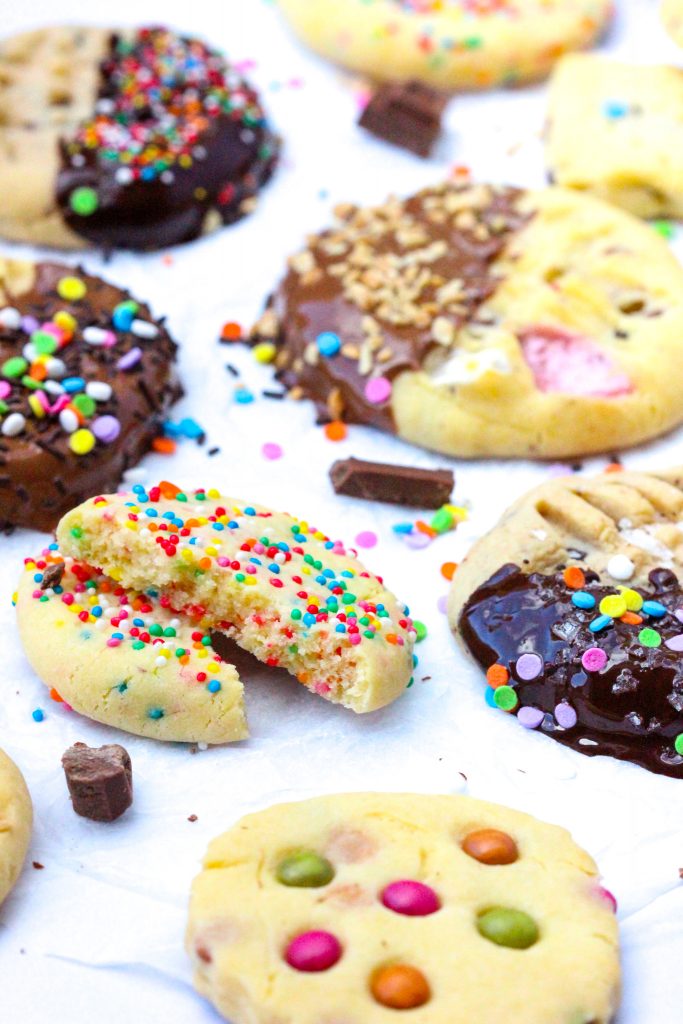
97 934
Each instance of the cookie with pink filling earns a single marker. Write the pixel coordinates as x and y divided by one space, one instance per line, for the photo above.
486 321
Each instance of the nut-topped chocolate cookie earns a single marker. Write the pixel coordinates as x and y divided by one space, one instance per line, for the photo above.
574 607
86 376
486 321
139 138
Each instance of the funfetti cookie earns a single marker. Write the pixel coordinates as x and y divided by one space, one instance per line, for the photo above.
16 819
453 44
139 138
123 658
274 583
573 607
348 909
616 130
486 321
86 377
672 16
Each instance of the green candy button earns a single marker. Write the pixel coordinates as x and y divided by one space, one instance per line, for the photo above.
85 404
14 367
305 870
649 638
505 698
83 201
678 743
506 927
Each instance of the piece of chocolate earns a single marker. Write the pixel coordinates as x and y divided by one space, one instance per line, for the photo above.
396 485
615 690
52 576
408 114
100 780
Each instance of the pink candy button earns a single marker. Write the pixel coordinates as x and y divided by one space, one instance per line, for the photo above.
411 898
378 390
313 951
594 659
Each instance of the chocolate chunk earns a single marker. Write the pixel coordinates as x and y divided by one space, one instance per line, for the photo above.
52 576
396 485
407 114
100 780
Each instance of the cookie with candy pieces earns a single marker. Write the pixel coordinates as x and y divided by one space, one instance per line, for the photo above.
275 584
86 378
350 909
134 138
573 606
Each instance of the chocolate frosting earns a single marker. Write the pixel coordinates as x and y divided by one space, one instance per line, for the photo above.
176 134
40 477
631 709
379 281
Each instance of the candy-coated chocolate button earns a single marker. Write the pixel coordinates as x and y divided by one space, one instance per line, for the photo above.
313 951
305 870
400 987
507 927
411 898
489 846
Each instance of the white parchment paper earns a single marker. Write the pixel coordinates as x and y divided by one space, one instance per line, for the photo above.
95 934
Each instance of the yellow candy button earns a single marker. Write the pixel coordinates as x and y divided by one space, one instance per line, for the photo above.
71 288
82 441
614 605
634 601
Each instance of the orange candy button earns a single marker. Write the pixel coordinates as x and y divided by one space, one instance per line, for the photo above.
489 846
335 431
574 577
448 570
497 675
400 987
231 331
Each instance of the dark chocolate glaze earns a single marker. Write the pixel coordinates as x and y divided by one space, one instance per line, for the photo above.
40 477
307 306
632 709
238 158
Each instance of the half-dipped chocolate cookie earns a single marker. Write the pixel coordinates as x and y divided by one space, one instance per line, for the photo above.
86 376
138 138
486 321
573 606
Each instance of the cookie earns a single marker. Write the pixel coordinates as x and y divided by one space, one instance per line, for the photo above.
86 378
273 583
124 658
136 139
573 606
486 321
346 908
452 44
616 130
16 819
672 16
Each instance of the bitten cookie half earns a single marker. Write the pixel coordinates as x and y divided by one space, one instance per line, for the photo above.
616 130
347 908
125 658
572 605
16 820
275 584
86 378
452 44
486 321
136 139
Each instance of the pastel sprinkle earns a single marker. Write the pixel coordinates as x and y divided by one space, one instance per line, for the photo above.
529 666
649 638
378 390
366 539
565 715
272 451
530 717
594 659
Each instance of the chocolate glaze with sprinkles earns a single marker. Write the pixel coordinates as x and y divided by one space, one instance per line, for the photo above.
632 707
177 138
44 477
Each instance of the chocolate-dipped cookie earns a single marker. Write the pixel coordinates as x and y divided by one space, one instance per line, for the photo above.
486 321
86 376
136 138
573 605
